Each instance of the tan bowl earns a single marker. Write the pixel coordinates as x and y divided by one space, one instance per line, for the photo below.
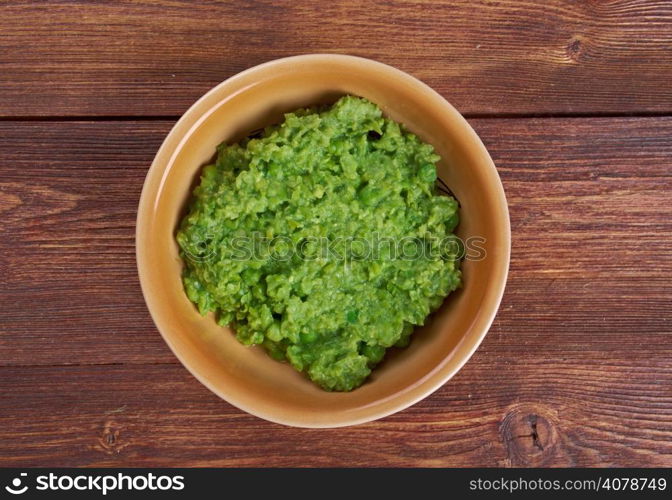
246 376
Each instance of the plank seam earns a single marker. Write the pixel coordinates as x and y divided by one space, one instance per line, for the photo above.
469 116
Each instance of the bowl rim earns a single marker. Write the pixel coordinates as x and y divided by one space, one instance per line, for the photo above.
190 120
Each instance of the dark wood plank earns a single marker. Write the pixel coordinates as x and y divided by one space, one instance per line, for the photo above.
496 412
591 224
589 201
156 57
68 199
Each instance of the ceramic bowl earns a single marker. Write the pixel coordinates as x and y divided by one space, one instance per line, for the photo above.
246 376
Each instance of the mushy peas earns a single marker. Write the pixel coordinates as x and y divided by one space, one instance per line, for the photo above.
323 239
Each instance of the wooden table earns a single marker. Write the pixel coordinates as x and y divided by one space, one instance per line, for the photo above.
574 102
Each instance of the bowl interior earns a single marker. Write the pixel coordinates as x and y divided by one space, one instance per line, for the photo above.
246 376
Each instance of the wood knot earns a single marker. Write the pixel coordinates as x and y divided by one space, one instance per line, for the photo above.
530 435
110 438
8 201
575 48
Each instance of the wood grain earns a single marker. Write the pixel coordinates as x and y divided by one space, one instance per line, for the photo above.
589 209
155 57
68 198
576 370
542 412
